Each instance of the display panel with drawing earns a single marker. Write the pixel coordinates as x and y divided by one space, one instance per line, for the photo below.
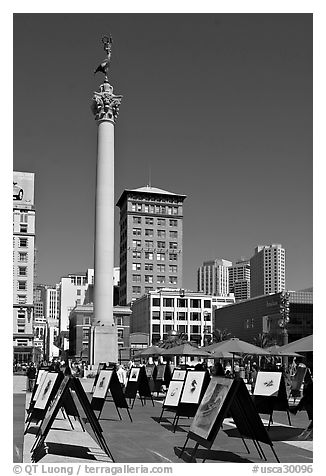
41 378
102 384
134 373
267 384
45 390
173 394
193 386
210 406
179 374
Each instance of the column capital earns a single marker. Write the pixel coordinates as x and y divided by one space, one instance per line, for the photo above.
105 104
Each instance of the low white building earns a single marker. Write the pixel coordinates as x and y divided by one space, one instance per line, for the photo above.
164 310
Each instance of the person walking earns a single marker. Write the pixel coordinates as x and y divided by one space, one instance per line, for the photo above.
31 376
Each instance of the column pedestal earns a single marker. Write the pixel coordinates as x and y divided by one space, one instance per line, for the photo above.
105 344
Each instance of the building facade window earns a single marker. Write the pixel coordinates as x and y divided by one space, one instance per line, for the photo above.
161 233
136 243
173 279
173 222
168 302
136 231
161 245
160 256
136 278
136 289
148 266
148 255
136 266
149 232
161 221
22 271
136 254
22 285
23 242
22 257
160 279
173 257
136 219
167 315
149 221
173 268
148 278
161 268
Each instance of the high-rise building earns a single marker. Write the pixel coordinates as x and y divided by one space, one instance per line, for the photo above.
72 292
239 280
267 270
213 277
151 237
23 266
47 310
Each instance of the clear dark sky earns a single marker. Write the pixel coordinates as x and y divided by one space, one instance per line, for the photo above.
217 106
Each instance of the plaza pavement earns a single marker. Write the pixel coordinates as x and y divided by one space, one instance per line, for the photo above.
145 440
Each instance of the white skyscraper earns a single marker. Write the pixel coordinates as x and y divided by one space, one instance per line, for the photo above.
23 266
213 277
267 270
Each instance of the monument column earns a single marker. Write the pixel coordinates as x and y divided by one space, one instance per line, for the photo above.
105 107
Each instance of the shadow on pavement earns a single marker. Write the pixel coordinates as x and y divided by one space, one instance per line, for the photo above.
72 451
276 433
167 424
212 455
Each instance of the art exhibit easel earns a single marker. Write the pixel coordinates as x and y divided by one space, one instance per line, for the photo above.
71 389
161 376
101 366
235 402
41 398
138 382
149 372
187 406
118 397
277 401
173 395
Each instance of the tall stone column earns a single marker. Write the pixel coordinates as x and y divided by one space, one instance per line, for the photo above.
105 107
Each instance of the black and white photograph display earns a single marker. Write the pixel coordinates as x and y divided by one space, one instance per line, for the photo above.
192 387
102 384
162 209
179 374
210 406
134 374
173 393
45 390
268 384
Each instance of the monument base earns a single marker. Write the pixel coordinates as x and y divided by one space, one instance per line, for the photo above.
105 344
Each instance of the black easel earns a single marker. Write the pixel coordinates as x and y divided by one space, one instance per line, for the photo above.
117 394
239 405
267 404
79 396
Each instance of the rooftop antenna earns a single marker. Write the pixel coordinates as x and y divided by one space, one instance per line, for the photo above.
149 176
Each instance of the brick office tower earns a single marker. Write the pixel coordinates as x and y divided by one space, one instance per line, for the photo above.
151 237
267 270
